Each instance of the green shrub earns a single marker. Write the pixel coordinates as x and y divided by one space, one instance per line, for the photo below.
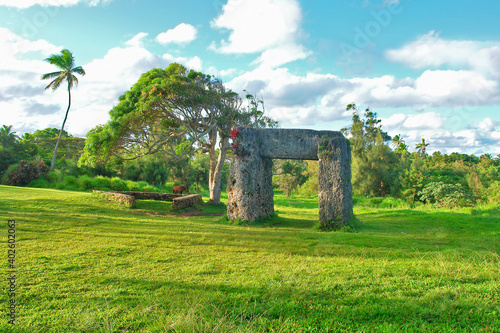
101 183
149 188
142 185
446 195
375 201
493 192
27 171
310 187
118 185
84 182
5 177
133 186
70 181
52 177
40 183
390 202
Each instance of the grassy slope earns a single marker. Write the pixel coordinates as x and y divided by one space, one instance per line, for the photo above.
85 265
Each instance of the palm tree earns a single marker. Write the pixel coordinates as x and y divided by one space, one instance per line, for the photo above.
66 63
7 138
421 147
486 157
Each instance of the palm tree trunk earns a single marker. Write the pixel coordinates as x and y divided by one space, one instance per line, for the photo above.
61 131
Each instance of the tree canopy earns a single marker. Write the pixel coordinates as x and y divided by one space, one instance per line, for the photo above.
174 110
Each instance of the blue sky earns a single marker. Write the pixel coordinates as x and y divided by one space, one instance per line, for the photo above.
430 69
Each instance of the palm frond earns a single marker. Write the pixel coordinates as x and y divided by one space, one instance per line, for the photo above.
65 61
51 75
55 83
78 70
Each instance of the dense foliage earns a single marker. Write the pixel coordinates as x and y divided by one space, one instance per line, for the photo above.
381 167
25 172
174 111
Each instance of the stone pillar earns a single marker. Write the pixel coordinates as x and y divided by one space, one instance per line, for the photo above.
250 184
334 183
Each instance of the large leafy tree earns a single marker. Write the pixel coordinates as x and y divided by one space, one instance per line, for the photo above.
67 70
174 110
41 143
373 163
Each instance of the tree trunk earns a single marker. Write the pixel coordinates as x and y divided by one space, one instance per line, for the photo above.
212 139
215 194
61 131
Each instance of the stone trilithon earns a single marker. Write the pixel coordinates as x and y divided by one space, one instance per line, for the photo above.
250 188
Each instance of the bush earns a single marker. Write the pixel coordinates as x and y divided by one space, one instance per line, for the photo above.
5 177
70 180
446 195
84 182
133 186
101 183
118 185
27 171
40 183
52 177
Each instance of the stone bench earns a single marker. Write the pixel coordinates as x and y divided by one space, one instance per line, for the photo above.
151 195
179 201
126 199
186 201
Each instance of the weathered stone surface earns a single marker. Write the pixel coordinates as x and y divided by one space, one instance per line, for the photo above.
334 182
179 201
294 144
186 201
250 191
128 200
152 195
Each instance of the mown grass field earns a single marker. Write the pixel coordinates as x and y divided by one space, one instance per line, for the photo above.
87 265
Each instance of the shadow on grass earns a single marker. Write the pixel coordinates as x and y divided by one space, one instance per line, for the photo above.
277 302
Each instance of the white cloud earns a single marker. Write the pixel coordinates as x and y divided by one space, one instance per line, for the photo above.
278 56
183 33
429 120
487 60
13 45
137 40
55 3
487 125
27 106
394 121
191 63
107 78
432 51
286 95
270 27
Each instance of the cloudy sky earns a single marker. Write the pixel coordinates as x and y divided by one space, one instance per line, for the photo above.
430 69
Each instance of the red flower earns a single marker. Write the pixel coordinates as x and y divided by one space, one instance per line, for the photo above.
234 133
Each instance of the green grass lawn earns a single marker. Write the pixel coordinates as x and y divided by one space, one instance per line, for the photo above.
88 265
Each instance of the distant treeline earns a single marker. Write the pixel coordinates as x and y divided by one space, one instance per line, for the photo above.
381 166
